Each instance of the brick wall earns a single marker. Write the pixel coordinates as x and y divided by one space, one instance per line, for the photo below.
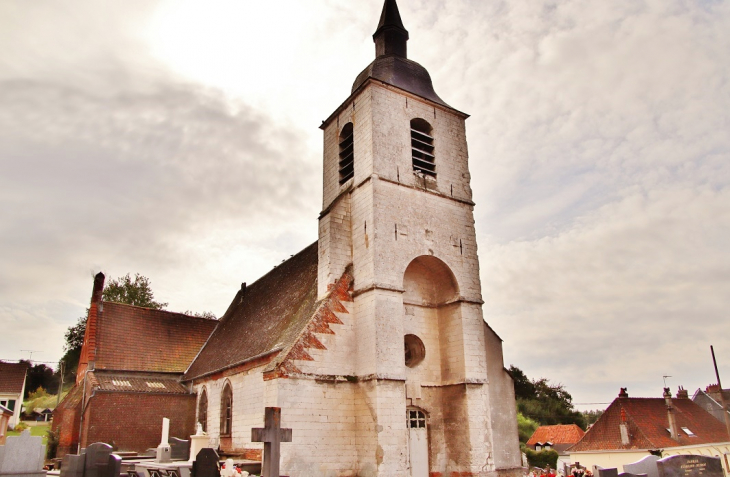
133 422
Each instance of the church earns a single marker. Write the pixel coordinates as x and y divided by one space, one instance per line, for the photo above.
372 340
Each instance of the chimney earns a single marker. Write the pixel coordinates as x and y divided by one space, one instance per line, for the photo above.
624 428
623 393
88 350
682 393
670 414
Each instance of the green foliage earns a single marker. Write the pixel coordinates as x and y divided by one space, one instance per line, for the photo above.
135 292
545 403
51 443
40 399
20 427
205 314
542 459
525 427
592 416
39 376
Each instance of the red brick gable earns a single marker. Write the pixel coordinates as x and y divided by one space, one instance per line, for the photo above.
560 434
647 422
12 377
131 338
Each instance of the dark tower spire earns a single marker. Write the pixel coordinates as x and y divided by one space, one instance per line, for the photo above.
391 36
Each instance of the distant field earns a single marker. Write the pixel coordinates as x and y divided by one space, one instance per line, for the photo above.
39 430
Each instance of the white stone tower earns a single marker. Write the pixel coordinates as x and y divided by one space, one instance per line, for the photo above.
397 205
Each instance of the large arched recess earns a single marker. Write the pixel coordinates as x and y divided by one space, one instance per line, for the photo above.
432 312
428 281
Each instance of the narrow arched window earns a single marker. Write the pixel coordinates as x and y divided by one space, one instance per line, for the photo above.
422 150
203 411
347 154
226 410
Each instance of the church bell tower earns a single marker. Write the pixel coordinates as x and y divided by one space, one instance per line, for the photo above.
397 207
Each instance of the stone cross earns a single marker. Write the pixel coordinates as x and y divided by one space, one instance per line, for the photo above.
272 435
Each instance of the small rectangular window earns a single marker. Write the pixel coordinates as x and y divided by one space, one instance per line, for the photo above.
688 432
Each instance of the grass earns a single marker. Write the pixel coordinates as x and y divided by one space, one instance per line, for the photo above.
39 430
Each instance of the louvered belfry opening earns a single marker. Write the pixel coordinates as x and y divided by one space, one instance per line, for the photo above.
422 148
347 154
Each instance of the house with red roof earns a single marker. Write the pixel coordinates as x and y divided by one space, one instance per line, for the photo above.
129 377
558 437
12 388
632 428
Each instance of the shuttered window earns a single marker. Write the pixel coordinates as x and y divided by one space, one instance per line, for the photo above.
347 154
422 149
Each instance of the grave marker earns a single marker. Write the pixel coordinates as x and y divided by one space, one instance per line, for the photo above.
100 462
690 466
206 463
272 435
647 466
22 455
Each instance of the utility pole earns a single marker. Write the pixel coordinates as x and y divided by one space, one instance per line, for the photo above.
722 396
60 385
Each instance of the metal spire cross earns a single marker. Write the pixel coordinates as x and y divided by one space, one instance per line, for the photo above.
272 435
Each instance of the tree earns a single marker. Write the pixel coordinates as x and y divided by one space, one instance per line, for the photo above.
592 416
39 376
135 292
545 403
205 314
124 289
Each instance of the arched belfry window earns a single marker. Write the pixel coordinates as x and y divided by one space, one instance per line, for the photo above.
226 410
422 150
203 410
347 154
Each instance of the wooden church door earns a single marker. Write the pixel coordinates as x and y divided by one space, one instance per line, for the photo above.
417 443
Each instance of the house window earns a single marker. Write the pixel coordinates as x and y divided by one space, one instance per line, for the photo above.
347 154
203 411
422 149
11 404
415 351
226 410
416 419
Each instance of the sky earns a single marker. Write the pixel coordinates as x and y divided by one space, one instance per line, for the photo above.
179 139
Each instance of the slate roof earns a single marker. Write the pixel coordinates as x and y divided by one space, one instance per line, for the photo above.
647 422
560 434
12 377
267 317
132 338
136 384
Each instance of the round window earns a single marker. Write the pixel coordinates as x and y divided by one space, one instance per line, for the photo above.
415 351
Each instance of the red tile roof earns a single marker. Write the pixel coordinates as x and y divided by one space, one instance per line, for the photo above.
12 377
647 422
132 338
267 317
560 434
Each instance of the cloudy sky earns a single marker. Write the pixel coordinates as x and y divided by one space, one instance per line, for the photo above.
179 139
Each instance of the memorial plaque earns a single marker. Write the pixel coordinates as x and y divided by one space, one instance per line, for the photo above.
690 466
647 466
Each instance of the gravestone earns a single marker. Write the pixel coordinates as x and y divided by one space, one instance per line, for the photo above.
179 448
629 474
22 455
164 453
690 466
612 472
206 463
647 466
73 465
100 462
272 435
